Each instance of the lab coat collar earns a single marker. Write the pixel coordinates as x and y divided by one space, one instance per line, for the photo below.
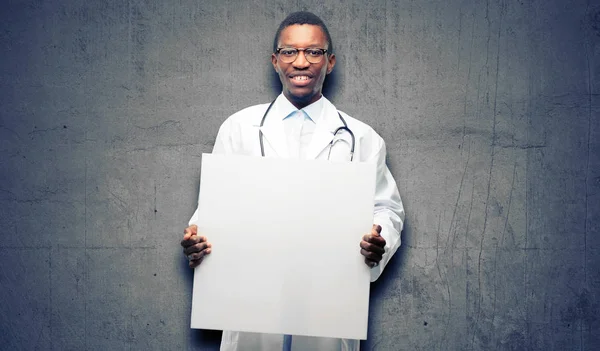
284 108
322 112
328 122
273 132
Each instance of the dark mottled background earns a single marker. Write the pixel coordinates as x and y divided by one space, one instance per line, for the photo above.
490 110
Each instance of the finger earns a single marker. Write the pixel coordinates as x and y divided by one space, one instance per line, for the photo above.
373 237
189 231
198 255
196 248
373 248
189 242
376 240
371 263
371 255
376 229
195 263
194 239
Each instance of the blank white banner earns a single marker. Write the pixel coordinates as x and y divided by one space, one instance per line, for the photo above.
285 235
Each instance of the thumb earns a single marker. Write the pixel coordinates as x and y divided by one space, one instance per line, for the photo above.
190 231
376 229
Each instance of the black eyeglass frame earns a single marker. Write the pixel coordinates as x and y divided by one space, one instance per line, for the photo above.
308 57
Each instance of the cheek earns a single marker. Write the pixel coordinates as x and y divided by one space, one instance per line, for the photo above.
280 72
323 73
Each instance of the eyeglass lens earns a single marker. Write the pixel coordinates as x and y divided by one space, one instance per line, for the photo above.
289 55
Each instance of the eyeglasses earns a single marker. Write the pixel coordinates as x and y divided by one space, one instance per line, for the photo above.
312 55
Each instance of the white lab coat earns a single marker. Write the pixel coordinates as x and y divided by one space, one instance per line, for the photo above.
239 134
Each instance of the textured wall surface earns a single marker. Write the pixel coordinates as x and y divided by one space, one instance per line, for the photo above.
490 111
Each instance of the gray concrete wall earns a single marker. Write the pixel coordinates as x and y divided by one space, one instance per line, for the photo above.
490 111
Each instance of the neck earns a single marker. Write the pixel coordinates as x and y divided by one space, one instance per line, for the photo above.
301 103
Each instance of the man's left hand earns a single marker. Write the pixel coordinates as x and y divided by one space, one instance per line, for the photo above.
372 246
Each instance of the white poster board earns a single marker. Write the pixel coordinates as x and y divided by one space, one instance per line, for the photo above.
285 238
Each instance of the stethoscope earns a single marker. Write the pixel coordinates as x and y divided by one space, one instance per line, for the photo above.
333 141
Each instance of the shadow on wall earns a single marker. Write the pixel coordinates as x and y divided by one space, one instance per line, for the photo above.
394 267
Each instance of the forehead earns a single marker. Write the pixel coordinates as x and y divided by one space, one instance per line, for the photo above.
302 36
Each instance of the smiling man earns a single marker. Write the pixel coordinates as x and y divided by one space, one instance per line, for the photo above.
302 123
302 76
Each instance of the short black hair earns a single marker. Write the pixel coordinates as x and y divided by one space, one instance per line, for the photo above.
302 17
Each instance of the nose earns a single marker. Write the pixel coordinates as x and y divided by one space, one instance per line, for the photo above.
300 61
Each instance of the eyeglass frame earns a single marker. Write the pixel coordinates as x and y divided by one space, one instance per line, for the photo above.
278 52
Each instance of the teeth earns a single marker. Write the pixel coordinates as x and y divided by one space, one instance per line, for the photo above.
300 78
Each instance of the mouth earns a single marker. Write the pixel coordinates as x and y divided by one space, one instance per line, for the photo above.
301 79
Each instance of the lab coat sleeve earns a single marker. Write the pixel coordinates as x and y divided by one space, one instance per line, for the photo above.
222 145
388 209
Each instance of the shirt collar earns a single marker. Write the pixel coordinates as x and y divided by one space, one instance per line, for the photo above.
285 108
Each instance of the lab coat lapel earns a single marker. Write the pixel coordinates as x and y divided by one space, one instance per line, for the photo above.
324 129
274 139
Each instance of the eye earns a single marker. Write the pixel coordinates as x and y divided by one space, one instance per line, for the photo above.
314 52
288 52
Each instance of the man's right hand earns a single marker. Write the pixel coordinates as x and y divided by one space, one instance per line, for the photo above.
194 247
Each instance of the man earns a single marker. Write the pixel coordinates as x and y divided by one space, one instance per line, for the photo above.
301 123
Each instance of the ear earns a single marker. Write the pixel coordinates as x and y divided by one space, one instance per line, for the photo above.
330 63
274 62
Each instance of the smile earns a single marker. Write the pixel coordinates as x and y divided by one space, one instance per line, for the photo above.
300 78
300 81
